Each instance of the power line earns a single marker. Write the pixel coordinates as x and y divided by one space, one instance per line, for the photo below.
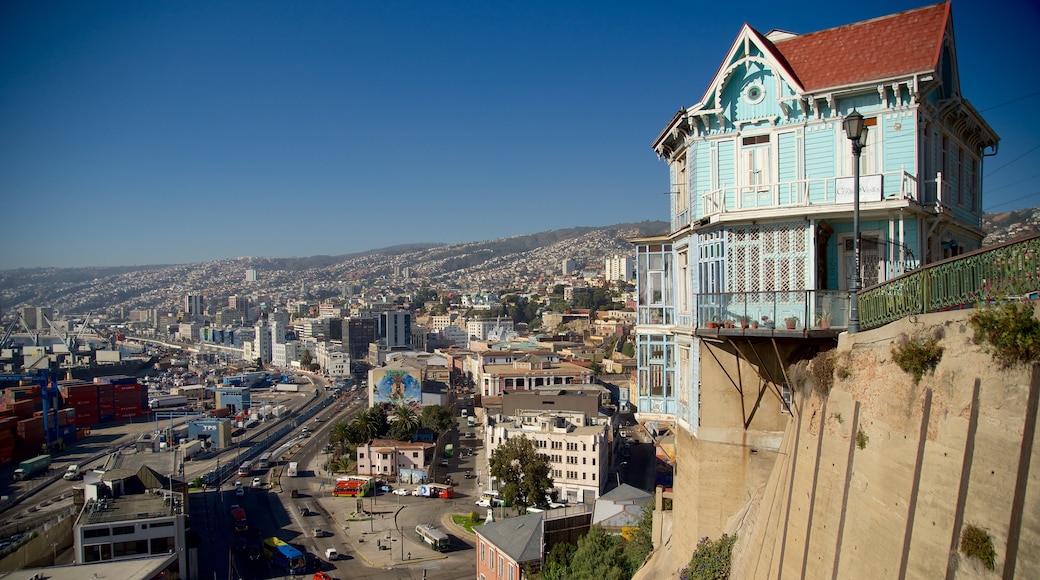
992 207
1007 185
990 174
1022 98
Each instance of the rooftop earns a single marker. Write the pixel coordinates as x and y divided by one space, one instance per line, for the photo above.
130 507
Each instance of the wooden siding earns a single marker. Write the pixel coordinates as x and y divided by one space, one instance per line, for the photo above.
787 150
899 152
700 178
727 169
820 159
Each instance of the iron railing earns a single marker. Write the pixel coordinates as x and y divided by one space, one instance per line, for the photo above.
1007 270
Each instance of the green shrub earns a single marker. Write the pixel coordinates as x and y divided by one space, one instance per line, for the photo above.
1009 332
861 439
917 355
711 560
976 543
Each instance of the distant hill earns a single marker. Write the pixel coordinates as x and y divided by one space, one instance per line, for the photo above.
1001 227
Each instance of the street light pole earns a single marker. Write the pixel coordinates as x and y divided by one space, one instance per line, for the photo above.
856 131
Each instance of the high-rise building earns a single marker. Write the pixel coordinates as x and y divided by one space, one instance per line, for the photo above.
568 267
395 328
194 305
619 269
252 275
358 333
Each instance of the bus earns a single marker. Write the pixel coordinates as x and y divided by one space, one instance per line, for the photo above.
245 470
265 460
430 535
239 522
284 556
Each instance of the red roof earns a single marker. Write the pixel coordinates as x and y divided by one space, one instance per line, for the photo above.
886 47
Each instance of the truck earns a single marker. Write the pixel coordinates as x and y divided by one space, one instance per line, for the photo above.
287 388
293 469
31 467
72 472
168 401
191 448
239 521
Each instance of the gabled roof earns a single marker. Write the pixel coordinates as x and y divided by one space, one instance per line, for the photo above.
520 538
626 493
890 46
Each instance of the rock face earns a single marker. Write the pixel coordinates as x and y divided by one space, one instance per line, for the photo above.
878 477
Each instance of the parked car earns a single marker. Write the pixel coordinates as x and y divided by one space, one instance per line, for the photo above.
484 503
385 488
401 491
417 492
257 482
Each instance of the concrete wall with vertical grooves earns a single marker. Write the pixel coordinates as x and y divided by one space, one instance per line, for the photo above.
933 461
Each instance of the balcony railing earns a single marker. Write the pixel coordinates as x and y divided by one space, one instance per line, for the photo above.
790 310
798 193
1000 272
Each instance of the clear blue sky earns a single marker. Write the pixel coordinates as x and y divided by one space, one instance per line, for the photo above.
169 132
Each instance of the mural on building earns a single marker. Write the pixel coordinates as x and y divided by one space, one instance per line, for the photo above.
396 386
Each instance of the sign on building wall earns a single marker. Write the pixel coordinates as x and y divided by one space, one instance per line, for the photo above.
869 189
397 386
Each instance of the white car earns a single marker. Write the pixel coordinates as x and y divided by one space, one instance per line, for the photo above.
483 503
417 492
385 488
401 491
257 482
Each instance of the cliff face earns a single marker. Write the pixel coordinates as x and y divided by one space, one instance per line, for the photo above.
879 476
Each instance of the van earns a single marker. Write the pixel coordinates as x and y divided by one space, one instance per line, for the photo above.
318 533
331 554
305 510
464 412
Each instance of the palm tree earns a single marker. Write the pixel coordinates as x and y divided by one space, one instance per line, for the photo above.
366 427
404 423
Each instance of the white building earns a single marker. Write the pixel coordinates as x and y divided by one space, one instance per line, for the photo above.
619 269
116 525
577 446
262 342
283 354
332 359
482 328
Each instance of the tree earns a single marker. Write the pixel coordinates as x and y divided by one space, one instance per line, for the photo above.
641 542
523 473
437 417
404 422
259 362
558 562
599 556
306 359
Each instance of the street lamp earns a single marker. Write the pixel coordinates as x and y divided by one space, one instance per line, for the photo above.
856 131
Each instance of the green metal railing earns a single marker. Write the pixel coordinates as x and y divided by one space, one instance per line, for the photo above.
1008 270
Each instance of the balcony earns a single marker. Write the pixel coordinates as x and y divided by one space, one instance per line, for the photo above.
796 194
789 313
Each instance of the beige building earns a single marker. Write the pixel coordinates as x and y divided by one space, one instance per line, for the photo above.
529 372
577 446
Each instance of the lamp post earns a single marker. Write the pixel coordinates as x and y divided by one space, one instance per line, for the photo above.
856 131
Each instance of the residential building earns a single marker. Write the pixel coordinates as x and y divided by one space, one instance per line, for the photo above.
619 269
508 549
194 305
568 267
483 328
285 353
388 457
262 342
577 444
621 508
763 215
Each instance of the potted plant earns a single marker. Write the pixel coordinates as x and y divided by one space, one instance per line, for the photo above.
791 322
823 320
745 321
768 322
713 323
728 323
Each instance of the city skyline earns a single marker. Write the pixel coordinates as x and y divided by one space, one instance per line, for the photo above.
140 134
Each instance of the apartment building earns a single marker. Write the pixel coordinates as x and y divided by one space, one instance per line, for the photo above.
577 444
389 457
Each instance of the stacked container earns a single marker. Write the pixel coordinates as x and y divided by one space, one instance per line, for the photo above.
106 402
127 400
7 439
29 435
82 398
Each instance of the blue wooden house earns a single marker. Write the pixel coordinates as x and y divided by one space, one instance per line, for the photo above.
756 269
